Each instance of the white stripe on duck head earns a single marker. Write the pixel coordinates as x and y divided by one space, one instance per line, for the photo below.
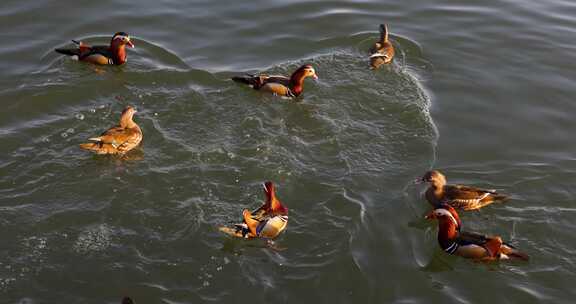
448 212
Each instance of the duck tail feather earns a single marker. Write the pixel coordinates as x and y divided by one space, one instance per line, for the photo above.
248 79
512 252
500 197
90 146
519 255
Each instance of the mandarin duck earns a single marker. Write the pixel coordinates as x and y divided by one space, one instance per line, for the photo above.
119 139
280 85
457 196
383 51
470 244
115 53
268 221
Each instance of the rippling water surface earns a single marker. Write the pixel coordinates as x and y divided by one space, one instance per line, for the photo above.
481 90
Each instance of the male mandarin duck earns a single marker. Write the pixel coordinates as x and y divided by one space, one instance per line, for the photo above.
457 196
115 53
280 85
383 51
119 139
470 244
268 221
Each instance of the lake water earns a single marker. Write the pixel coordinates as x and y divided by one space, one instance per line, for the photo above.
482 90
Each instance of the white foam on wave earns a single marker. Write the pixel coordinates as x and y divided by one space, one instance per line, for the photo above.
94 239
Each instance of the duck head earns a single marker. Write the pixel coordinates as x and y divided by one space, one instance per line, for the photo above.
126 120
118 47
449 223
304 71
297 78
433 177
121 39
273 204
445 214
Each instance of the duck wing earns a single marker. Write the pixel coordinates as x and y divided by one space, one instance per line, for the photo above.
95 50
118 134
272 226
260 214
275 84
257 81
83 50
477 238
468 198
115 140
494 245
283 80
465 192
467 237
381 54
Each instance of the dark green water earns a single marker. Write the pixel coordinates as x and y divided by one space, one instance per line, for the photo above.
482 90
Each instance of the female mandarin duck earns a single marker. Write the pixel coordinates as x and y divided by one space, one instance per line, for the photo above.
469 244
119 139
457 196
280 85
383 51
268 221
115 53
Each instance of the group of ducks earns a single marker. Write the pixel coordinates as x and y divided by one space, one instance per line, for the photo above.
128 135
445 199
271 219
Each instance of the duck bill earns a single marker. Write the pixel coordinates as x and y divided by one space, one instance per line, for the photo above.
430 215
315 77
130 44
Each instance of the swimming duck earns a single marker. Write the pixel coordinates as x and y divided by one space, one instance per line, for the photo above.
470 244
383 51
457 196
119 139
268 221
115 53
280 85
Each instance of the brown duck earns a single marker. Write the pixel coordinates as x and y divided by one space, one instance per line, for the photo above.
470 245
119 139
457 196
383 51
114 54
291 86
